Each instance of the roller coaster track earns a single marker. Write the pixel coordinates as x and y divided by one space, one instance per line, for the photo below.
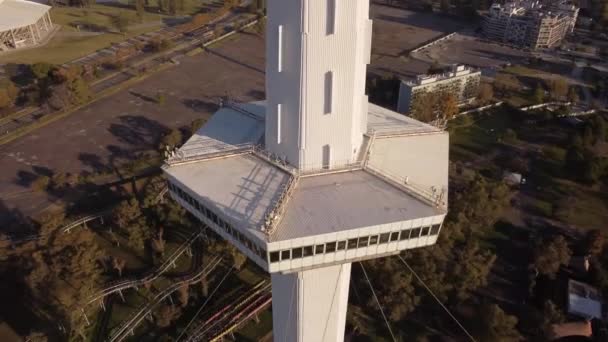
14 239
121 285
233 315
145 310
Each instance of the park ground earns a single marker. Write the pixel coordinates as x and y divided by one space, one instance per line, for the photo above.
86 30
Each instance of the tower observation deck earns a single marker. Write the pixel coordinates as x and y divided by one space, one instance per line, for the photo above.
314 177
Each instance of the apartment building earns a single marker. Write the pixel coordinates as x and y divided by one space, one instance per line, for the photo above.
461 81
530 24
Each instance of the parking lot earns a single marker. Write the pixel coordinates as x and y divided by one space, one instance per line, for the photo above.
467 49
113 130
398 31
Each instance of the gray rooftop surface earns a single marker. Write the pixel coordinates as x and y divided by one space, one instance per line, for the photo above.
241 187
226 130
384 121
346 200
244 187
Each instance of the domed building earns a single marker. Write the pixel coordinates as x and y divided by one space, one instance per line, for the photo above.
23 23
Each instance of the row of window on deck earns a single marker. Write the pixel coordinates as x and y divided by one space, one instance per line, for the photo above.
364 241
306 251
227 227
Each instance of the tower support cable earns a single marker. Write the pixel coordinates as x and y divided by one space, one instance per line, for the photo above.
437 299
378 302
204 304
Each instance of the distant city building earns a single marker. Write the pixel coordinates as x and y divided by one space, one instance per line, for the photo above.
461 81
23 23
530 24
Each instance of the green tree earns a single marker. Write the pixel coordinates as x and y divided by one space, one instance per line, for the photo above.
196 124
445 6
79 90
539 94
594 242
126 213
551 256
8 94
183 295
121 23
470 270
393 286
238 258
165 316
118 264
41 70
551 315
486 93
598 126
171 140
60 272
140 9
558 88
573 95
5 100
448 105
423 107
496 325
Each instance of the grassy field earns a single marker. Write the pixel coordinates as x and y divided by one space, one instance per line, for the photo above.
86 30
95 24
97 17
191 7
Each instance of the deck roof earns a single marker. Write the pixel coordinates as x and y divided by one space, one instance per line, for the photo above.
383 121
346 200
244 187
241 188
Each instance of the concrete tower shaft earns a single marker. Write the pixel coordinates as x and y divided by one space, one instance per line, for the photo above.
317 52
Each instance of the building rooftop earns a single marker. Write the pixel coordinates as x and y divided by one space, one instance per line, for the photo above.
584 300
220 168
455 71
382 121
19 13
347 200
241 187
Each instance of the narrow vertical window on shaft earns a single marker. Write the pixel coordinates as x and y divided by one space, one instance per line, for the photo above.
331 16
329 84
279 123
280 49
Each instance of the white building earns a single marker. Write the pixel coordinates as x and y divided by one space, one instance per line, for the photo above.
461 81
23 23
530 23
315 177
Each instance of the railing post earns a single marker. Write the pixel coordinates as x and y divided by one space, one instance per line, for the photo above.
121 296
85 317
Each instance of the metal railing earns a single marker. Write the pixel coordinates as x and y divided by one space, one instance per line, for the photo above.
178 157
234 106
146 309
274 215
14 239
430 196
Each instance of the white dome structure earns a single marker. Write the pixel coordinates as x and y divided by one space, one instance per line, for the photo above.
23 23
